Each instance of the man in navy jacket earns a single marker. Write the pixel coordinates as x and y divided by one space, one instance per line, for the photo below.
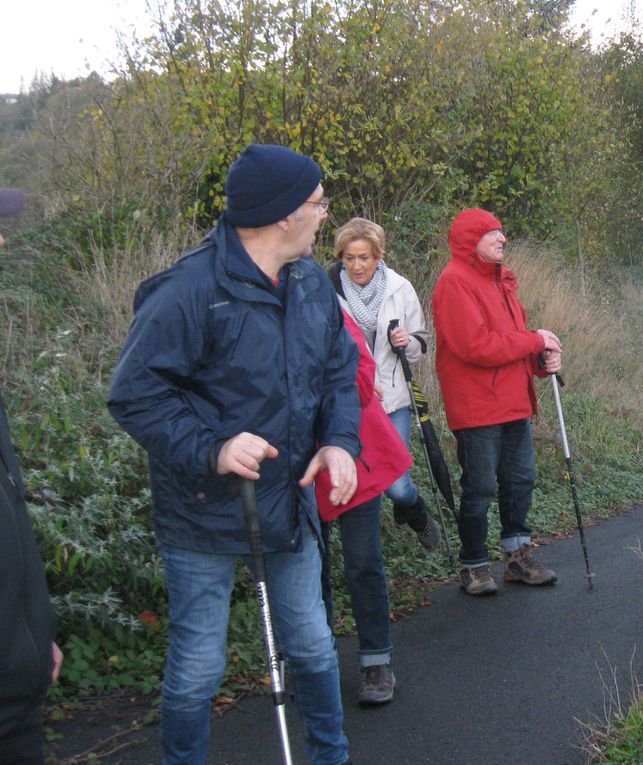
238 364
29 659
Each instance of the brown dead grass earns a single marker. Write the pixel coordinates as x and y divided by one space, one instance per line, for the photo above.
111 278
600 329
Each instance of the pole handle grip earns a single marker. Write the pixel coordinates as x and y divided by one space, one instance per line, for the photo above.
253 527
399 352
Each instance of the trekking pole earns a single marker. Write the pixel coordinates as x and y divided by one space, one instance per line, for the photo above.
408 376
436 457
251 518
557 380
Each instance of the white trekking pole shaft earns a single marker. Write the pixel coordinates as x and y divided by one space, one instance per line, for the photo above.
251 517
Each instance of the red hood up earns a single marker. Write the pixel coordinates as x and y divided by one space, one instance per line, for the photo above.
468 229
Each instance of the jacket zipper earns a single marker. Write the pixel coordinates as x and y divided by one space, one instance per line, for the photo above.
530 381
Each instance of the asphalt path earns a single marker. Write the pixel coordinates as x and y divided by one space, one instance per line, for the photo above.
502 680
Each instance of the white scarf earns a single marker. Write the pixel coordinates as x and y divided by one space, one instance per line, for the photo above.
365 302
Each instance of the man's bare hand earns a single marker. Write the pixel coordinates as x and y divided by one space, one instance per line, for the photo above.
243 454
57 655
552 343
343 474
553 362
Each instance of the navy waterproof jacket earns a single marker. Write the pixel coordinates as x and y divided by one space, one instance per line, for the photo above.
214 351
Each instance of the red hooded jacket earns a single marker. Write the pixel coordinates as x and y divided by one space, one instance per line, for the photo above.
485 355
384 456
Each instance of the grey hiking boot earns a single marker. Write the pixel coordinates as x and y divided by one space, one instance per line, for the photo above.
417 517
376 685
521 566
478 580
428 535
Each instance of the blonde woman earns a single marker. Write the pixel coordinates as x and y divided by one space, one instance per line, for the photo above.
373 295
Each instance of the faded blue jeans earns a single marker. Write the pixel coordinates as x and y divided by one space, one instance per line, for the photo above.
495 458
199 587
403 491
359 528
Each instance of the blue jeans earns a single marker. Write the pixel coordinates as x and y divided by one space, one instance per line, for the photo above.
403 491
199 587
359 528
495 458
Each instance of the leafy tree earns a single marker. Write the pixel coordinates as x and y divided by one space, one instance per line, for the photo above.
443 104
621 67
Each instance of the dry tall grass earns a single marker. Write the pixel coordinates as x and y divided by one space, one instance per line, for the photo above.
600 332
111 278
601 336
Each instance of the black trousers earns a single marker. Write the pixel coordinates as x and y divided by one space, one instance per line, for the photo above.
24 743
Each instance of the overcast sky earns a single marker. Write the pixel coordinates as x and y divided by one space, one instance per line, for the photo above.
71 38
68 38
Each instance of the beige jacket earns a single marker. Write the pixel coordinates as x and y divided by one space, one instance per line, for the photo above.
400 302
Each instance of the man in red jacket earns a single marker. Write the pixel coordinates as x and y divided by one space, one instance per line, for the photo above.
486 359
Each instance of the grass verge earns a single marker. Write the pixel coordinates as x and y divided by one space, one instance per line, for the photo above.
616 738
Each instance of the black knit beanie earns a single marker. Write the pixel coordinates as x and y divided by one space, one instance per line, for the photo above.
266 183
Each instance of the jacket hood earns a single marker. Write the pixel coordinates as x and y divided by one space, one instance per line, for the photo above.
468 229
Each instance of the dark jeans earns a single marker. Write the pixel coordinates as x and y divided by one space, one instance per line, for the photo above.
24 744
495 454
359 528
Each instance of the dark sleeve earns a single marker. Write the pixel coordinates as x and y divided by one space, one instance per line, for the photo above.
162 352
339 417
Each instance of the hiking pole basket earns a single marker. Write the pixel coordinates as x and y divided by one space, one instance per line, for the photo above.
557 380
275 665
408 376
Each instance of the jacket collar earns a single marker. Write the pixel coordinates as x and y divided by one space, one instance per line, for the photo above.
235 266
238 262
488 269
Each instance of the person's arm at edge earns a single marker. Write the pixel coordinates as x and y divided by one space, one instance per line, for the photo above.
339 418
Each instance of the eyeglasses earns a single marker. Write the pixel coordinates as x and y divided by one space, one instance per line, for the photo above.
322 204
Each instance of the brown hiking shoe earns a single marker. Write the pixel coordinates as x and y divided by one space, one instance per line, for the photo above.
478 580
376 685
521 566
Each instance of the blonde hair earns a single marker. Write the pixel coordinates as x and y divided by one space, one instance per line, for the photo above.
360 228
